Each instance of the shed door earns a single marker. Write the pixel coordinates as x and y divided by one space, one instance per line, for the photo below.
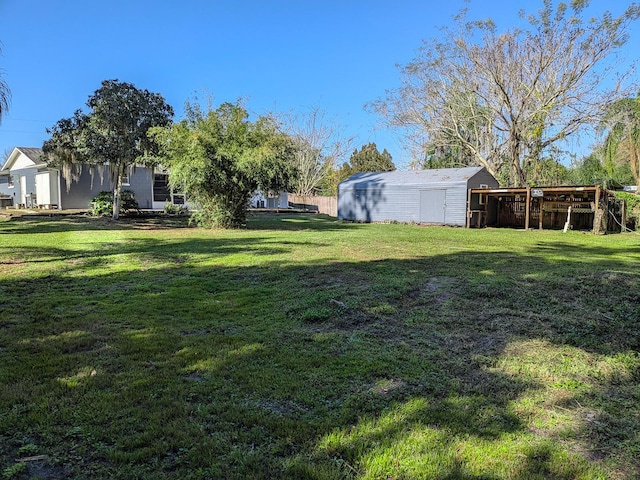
432 206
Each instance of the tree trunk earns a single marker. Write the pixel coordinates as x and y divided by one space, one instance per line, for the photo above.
116 193
518 179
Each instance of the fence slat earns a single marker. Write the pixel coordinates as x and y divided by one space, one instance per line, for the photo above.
324 205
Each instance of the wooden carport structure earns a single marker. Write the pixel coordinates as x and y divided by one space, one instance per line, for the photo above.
580 208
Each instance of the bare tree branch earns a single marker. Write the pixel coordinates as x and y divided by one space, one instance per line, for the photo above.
505 100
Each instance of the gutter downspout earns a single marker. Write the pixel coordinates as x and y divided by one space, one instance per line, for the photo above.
59 190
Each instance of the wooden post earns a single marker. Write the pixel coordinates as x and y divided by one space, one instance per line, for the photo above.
468 208
541 212
528 207
597 217
486 210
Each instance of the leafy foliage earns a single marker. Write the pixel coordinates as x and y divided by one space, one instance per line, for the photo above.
172 209
592 170
102 204
114 133
546 171
219 158
633 207
367 159
622 143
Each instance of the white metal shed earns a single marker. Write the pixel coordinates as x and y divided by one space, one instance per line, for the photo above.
437 196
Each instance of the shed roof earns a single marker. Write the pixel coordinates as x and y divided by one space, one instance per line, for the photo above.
412 177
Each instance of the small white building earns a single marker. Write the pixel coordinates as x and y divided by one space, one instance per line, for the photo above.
260 200
437 196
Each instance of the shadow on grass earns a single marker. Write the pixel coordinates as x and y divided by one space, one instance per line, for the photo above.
76 223
149 250
296 222
255 221
429 367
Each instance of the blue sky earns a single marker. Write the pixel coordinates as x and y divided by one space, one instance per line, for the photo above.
279 55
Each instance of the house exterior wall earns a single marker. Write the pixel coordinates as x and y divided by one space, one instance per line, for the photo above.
29 175
80 193
141 183
26 165
4 186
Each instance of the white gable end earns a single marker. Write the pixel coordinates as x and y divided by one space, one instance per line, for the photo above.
22 162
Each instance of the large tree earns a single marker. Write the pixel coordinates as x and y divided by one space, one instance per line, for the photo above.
370 159
367 159
113 133
320 145
5 96
219 158
505 99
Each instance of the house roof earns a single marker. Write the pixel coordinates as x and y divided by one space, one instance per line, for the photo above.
413 177
32 153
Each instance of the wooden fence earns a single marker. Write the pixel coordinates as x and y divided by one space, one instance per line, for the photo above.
324 205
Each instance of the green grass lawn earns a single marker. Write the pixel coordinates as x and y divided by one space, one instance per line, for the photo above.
304 347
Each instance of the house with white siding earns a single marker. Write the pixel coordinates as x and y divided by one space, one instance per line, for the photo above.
27 181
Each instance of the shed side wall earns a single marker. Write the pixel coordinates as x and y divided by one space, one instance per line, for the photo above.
482 178
376 202
456 206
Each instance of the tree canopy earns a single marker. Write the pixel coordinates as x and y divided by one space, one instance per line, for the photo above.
621 125
370 159
506 100
219 158
367 159
113 133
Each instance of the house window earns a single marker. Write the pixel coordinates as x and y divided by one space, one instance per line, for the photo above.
125 178
11 182
161 191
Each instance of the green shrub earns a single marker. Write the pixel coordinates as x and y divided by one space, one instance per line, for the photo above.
102 204
171 209
633 206
14 470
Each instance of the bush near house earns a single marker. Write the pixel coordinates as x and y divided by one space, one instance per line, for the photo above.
102 204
